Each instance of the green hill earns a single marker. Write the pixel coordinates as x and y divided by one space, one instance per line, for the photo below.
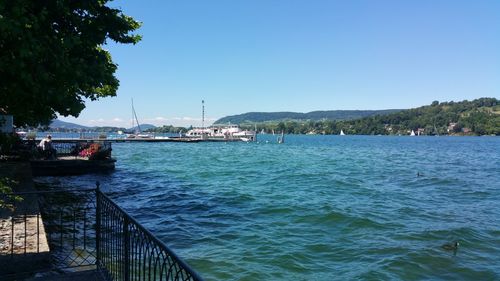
256 117
477 117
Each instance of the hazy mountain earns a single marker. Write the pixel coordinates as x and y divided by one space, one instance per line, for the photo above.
144 127
256 117
58 124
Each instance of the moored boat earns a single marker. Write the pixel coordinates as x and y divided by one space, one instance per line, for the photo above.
138 134
221 133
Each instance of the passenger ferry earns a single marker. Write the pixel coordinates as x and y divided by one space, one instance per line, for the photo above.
222 133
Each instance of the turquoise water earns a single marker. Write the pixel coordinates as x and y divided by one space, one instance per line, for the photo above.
318 207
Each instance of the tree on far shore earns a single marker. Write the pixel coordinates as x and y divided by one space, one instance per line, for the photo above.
52 56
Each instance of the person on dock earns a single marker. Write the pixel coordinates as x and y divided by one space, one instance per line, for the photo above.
47 149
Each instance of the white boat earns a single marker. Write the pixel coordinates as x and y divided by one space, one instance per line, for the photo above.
342 133
412 133
221 132
218 132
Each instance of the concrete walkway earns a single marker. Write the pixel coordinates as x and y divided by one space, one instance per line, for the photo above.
29 249
16 264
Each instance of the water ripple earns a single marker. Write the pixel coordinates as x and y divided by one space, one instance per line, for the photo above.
318 207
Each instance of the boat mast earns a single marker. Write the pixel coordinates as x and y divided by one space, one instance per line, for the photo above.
435 129
134 115
203 114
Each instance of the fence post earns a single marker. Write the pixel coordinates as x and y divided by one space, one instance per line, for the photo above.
98 225
126 250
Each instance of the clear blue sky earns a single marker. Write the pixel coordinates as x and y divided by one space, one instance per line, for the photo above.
286 55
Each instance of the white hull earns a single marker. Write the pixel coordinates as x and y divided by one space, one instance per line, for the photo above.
231 133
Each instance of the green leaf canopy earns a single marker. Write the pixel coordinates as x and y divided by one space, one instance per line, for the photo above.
51 56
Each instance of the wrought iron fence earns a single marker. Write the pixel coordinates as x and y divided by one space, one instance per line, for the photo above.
69 147
44 229
74 148
130 252
83 228
69 220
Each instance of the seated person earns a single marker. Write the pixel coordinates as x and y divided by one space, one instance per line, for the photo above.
47 149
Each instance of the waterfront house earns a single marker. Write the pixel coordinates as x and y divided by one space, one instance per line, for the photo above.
451 127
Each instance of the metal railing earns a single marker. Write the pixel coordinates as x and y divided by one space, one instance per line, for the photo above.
83 228
69 147
66 148
47 229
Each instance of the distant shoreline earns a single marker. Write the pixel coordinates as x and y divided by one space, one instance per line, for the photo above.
100 135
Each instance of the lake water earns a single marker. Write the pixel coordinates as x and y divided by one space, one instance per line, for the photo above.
317 207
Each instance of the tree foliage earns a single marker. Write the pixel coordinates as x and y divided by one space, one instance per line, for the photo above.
52 56
7 200
167 129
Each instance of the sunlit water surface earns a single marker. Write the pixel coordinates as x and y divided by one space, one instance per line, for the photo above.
317 207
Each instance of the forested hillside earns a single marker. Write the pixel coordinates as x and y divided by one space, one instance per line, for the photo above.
253 117
477 117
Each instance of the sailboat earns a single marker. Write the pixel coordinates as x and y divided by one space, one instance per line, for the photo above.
412 133
342 133
138 132
281 139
